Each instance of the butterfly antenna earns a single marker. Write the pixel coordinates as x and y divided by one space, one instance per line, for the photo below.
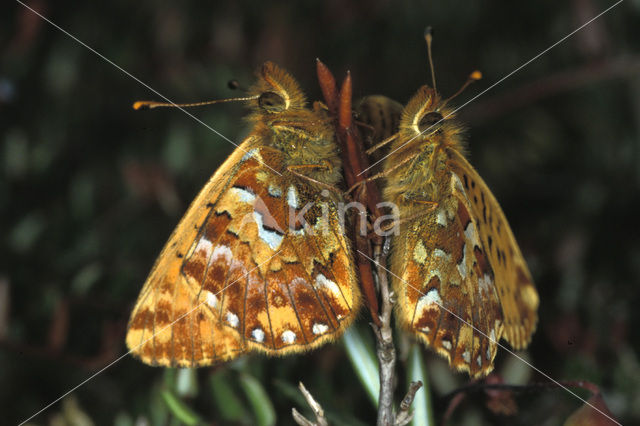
474 76
151 104
428 36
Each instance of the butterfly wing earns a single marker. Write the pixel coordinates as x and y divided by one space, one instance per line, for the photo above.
235 276
300 289
518 296
167 327
455 290
445 292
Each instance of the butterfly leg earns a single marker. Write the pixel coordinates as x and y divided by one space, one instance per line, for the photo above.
381 174
381 144
295 170
365 126
397 222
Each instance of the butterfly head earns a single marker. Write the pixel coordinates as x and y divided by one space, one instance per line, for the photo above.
426 119
275 91
282 120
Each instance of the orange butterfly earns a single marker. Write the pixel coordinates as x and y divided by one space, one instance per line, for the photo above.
460 278
260 261
461 281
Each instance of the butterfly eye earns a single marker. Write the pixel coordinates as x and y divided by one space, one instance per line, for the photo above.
429 120
271 102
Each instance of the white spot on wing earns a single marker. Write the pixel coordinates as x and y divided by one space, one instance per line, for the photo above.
258 335
485 283
466 356
244 195
492 335
319 328
456 183
204 244
288 337
488 353
479 360
425 302
292 197
322 281
212 300
272 238
420 252
441 253
441 217
249 154
232 319
462 266
298 281
221 251
446 344
471 234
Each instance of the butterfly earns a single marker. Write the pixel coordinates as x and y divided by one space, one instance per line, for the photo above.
260 261
461 281
381 116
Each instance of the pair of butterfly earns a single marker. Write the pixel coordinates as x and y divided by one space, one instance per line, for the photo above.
261 263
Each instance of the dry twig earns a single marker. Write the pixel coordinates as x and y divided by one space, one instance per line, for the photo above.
317 410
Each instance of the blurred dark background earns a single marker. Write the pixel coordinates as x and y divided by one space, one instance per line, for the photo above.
90 189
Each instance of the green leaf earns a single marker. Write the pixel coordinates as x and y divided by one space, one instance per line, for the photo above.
262 407
229 405
158 412
422 408
186 383
180 410
364 362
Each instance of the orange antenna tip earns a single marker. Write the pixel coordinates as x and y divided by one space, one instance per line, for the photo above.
428 33
142 105
475 76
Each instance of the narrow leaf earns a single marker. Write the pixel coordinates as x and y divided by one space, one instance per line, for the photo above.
180 410
259 400
364 362
422 408
228 404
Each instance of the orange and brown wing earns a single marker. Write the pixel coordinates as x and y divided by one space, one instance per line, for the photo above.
446 295
311 292
253 281
168 326
516 290
299 289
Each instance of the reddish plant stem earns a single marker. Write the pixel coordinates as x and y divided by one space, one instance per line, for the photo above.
339 105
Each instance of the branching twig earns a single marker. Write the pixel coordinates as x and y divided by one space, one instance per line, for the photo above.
317 410
368 248
404 415
386 351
